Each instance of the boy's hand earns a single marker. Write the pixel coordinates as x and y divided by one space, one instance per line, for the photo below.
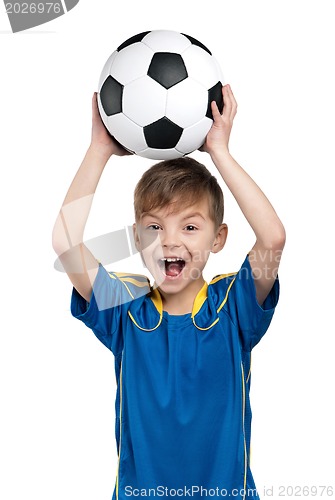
101 140
218 137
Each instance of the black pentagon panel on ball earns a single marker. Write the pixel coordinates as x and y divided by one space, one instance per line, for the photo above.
167 68
133 39
111 96
194 41
215 94
162 134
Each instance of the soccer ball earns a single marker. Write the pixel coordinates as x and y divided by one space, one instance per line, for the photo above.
155 94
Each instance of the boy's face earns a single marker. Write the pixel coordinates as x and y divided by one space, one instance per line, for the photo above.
175 245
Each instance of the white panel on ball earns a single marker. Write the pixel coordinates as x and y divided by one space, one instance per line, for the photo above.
219 70
166 41
193 137
106 70
138 97
201 66
160 154
186 103
131 63
127 132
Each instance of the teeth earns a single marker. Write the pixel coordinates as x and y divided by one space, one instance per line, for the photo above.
171 259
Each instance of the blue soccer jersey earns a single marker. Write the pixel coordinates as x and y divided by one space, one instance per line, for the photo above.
182 404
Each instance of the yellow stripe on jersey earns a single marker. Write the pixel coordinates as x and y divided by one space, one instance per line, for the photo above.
202 296
120 442
135 279
138 280
244 440
248 377
226 297
146 329
126 286
207 327
125 275
137 283
221 277
157 300
199 300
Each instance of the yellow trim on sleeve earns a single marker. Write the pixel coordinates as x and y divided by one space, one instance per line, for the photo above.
125 285
220 277
126 278
136 282
226 297
127 275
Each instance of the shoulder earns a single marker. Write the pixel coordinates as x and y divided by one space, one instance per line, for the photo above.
222 279
130 279
234 295
111 289
233 288
220 287
134 284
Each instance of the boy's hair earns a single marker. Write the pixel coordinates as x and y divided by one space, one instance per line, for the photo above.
181 182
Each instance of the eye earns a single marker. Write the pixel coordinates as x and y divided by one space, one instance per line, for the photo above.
190 227
153 227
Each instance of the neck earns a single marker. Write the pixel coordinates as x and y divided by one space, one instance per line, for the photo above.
181 302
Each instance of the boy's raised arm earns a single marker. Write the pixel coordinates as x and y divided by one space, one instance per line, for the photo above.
68 233
269 231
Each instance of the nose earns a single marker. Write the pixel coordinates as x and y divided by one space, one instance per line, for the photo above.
169 239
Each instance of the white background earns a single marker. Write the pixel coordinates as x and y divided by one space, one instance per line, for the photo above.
57 381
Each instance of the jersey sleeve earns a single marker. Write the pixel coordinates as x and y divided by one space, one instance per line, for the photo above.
252 319
110 299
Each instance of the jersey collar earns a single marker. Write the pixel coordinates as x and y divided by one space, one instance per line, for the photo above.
199 300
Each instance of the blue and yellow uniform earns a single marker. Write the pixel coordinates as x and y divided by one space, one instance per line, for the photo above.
182 405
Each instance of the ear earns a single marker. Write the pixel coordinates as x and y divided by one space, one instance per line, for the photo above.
220 238
136 237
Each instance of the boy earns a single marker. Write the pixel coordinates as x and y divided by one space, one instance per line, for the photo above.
182 347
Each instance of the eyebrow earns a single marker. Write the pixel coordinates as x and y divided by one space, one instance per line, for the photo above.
194 214
149 214
188 216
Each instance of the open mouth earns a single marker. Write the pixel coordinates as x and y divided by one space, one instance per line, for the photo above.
172 267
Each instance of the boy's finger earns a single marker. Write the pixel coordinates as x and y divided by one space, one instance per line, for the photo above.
227 108
215 111
233 101
94 104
